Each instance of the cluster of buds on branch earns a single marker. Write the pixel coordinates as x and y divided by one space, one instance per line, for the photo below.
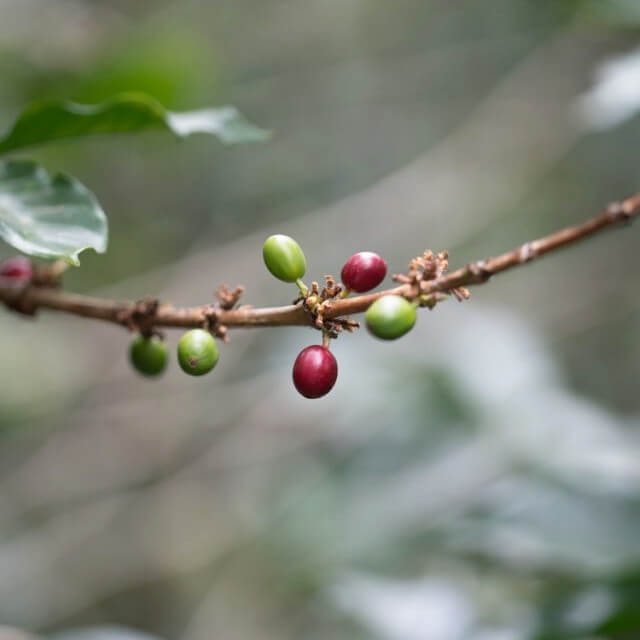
319 301
426 268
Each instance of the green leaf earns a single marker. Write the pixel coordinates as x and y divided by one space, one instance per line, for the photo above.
127 113
49 217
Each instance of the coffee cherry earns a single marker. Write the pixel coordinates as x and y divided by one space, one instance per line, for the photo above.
197 352
315 371
390 317
149 355
18 268
363 271
284 258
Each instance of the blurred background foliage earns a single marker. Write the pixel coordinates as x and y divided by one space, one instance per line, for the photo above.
478 480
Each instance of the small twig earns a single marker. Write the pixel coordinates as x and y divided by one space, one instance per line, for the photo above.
131 314
228 298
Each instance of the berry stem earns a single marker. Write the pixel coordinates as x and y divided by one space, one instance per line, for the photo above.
304 290
326 339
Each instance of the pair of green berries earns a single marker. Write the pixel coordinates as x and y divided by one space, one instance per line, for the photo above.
197 353
388 318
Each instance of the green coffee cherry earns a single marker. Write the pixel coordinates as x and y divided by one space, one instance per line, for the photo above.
197 352
390 317
284 258
149 355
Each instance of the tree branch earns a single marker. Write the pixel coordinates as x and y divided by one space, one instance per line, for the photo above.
147 315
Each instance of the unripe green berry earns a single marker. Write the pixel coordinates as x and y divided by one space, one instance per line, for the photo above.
390 317
197 352
148 355
284 258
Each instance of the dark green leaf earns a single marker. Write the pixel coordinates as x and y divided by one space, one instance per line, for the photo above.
127 113
49 217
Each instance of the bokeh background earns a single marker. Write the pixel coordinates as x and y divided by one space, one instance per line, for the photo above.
477 480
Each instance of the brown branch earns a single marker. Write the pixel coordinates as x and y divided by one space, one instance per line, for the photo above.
147 315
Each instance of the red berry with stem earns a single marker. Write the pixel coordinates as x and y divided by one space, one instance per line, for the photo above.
18 268
315 371
363 271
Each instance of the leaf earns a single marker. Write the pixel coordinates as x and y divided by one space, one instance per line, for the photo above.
49 217
127 113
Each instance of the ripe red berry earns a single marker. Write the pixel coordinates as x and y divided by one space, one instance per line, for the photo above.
18 268
363 271
315 371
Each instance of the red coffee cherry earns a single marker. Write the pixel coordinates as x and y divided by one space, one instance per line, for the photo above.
18 268
315 371
363 271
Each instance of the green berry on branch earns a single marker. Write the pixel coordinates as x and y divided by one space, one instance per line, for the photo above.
197 352
149 355
390 317
284 258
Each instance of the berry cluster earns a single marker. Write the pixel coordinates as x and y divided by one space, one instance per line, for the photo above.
315 369
389 317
